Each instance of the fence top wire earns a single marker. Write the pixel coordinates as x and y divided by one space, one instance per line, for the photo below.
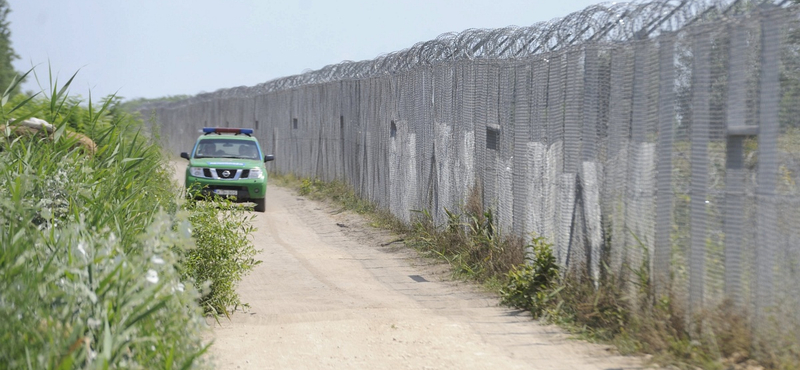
607 23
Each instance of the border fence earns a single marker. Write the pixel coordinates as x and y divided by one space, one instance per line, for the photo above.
661 133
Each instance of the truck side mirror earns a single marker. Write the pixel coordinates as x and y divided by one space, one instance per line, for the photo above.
268 157
185 155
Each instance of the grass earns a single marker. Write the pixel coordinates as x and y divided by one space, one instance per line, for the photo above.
344 196
470 242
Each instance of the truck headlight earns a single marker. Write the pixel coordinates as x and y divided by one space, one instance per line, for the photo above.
255 173
196 171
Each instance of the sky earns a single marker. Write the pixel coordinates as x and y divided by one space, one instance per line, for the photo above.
158 48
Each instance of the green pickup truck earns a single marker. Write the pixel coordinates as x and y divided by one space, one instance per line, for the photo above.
228 162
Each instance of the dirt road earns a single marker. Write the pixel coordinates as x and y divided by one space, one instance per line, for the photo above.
330 295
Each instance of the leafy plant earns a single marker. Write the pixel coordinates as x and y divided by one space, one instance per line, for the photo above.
224 251
532 286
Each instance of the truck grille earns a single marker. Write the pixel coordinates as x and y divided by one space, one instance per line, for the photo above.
226 173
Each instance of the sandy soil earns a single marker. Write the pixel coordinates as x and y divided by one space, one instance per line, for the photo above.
334 293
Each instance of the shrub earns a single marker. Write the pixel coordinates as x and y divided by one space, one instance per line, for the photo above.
223 254
531 286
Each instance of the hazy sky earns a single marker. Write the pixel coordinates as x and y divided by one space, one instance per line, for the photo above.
155 48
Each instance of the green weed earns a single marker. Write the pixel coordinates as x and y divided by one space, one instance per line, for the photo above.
532 286
224 251
470 241
342 195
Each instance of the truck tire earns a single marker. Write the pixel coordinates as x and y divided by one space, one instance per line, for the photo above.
260 204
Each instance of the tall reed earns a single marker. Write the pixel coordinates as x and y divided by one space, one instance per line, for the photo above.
89 243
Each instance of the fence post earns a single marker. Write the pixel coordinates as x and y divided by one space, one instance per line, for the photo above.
590 168
701 82
522 121
767 175
664 195
736 120
620 101
640 162
572 214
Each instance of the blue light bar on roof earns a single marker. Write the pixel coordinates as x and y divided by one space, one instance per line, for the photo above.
229 130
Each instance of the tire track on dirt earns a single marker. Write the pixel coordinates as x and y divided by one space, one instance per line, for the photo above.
275 233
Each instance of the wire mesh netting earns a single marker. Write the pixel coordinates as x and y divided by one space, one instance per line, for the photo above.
663 134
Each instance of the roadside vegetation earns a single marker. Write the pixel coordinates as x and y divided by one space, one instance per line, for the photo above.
622 310
470 242
342 194
102 263
223 252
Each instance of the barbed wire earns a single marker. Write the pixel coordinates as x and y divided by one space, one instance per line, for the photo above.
602 23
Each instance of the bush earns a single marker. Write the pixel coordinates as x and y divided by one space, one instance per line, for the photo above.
223 253
531 286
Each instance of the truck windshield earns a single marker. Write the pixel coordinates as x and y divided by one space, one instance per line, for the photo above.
226 148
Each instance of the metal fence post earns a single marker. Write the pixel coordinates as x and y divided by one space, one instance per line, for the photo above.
768 129
736 121
664 194
699 164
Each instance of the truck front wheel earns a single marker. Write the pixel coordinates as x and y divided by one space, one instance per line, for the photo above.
260 204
